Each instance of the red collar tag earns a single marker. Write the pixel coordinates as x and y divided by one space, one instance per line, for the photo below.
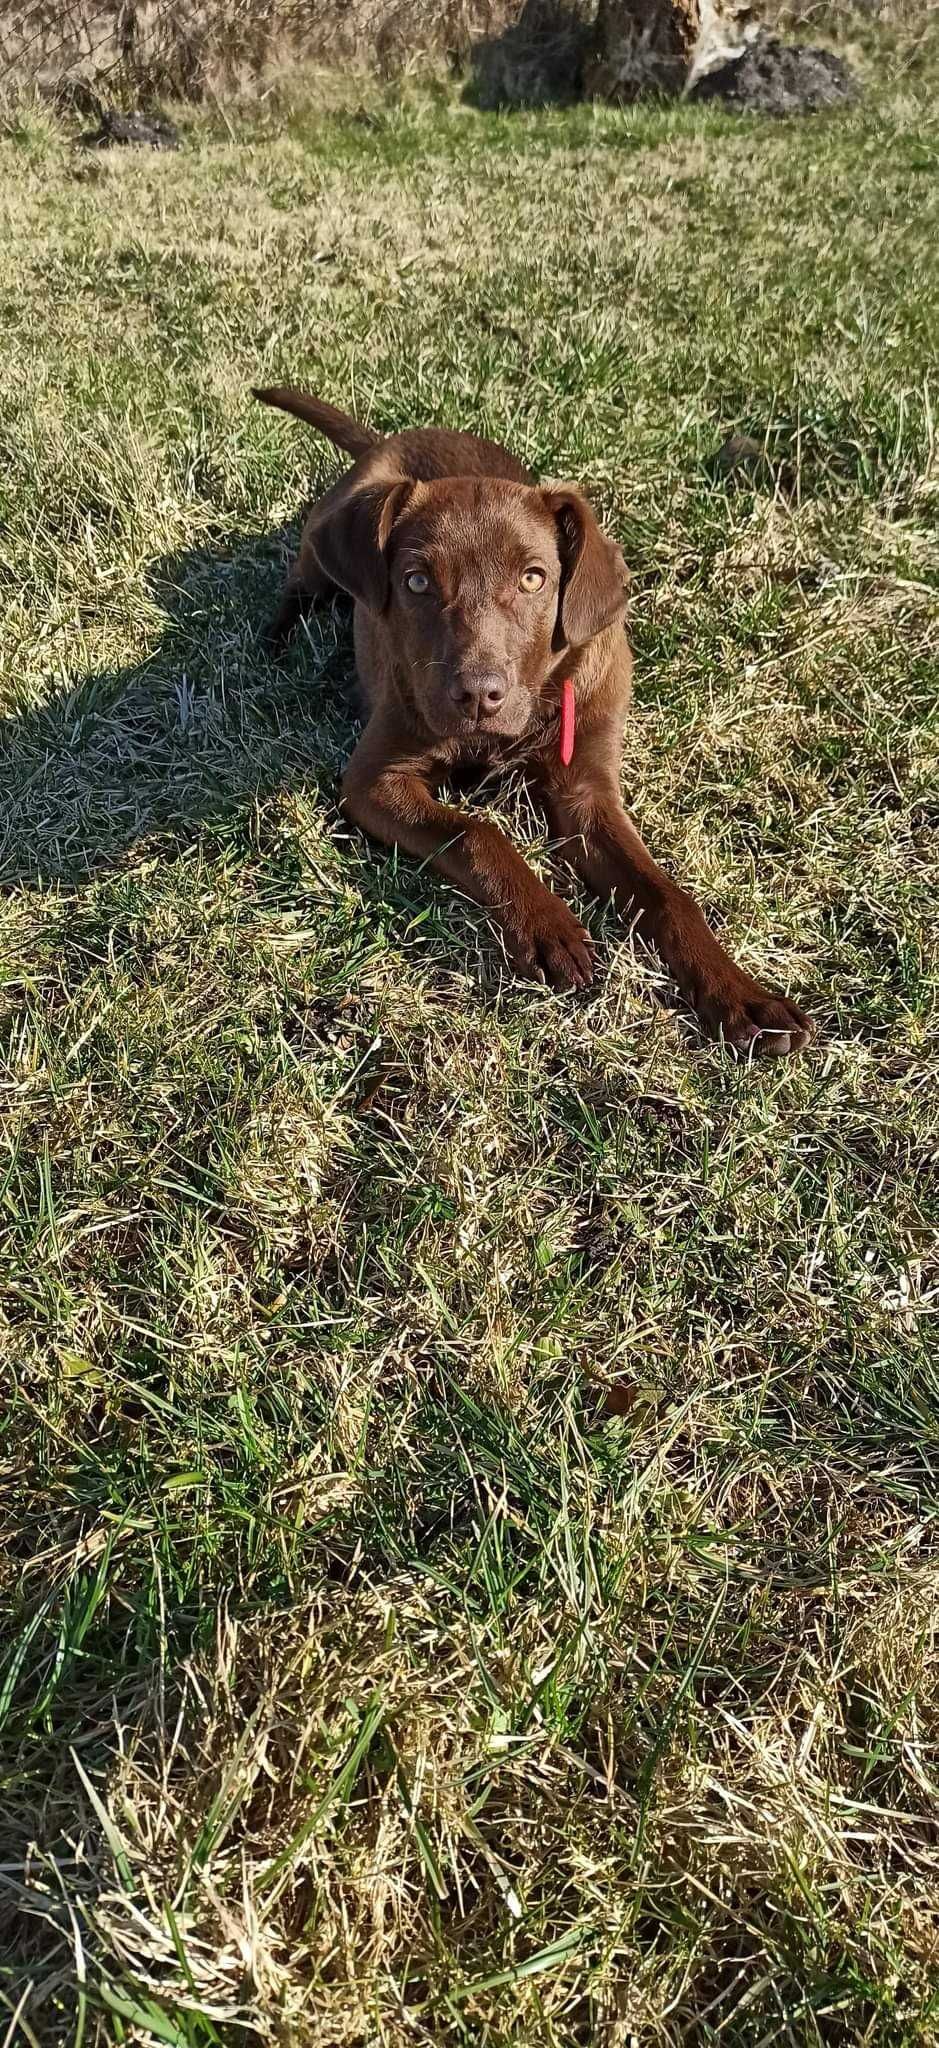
567 722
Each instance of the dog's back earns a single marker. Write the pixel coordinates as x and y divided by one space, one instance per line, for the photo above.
424 453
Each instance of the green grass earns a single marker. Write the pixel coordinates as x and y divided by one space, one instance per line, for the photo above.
470 1468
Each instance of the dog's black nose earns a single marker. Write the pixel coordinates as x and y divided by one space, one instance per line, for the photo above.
479 693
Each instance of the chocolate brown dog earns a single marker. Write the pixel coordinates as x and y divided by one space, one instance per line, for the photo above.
489 628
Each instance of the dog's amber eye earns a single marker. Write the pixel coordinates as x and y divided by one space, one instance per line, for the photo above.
418 582
532 579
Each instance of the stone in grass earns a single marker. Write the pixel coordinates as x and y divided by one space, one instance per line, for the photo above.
770 77
133 131
743 460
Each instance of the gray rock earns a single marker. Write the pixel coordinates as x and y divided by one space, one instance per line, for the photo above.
134 131
770 77
739 451
742 462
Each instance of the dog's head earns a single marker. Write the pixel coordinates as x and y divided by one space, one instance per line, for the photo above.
484 587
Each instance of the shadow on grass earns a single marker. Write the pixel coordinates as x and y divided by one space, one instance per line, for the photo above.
205 724
536 61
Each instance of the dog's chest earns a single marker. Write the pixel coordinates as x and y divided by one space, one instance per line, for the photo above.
468 757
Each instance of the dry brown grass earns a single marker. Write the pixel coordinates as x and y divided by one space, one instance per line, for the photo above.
526 49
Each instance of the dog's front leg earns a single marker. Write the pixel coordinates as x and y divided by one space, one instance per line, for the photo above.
386 790
602 844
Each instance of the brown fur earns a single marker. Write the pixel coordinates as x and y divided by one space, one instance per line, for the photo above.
471 669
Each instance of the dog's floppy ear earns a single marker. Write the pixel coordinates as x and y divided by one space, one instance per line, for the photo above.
351 542
594 576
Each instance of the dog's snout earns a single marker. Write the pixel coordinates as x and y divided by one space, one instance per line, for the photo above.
482 692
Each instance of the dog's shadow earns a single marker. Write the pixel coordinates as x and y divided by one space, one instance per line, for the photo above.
203 725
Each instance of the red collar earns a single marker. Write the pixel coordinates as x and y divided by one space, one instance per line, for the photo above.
567 722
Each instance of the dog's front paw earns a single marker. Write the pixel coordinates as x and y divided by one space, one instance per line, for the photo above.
742 1014
548 943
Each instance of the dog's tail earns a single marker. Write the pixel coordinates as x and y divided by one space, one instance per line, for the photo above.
336 425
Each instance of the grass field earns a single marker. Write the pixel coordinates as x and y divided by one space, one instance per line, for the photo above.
470 1470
